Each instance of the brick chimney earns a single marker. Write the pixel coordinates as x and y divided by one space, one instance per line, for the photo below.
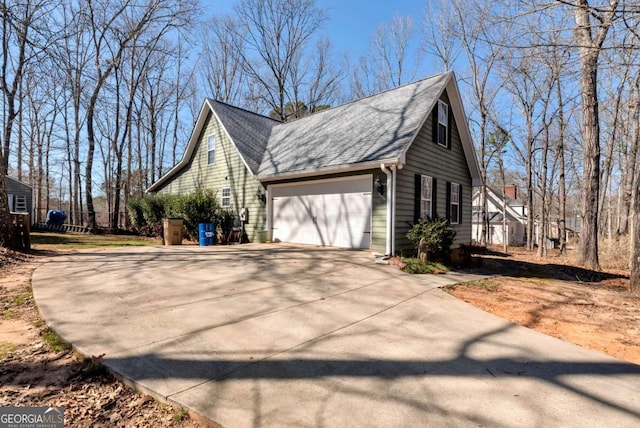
511 191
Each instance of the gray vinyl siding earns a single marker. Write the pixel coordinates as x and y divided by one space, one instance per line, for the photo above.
443 164
18 188
228 171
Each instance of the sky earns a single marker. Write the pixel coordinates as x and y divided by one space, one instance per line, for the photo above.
351 23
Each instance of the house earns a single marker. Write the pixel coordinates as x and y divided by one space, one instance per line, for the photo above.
516 216
20 196
354 176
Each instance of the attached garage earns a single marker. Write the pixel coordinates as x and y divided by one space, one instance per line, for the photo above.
333 212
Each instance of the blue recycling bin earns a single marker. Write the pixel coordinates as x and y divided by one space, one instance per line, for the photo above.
56 217
206 233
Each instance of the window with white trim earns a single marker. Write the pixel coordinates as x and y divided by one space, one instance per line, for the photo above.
455 203
211 149
443 123
426 197
226 197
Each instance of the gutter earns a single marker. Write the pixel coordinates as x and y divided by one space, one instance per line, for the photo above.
389 247
391 171
272 178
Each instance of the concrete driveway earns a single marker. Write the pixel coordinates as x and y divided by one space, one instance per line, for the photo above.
276 335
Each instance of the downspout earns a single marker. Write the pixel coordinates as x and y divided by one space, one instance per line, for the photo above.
390 204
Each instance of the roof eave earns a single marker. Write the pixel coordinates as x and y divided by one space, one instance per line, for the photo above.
195 133
340 169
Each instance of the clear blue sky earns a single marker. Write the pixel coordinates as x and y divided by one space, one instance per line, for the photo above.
351 22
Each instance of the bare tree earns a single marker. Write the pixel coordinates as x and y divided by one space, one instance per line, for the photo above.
19 48
113 26
73 55
592 26
440 33
389 50
275 33
482 43
221 62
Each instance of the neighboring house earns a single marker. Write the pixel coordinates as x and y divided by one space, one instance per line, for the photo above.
20 196
516 220
516 216
354 176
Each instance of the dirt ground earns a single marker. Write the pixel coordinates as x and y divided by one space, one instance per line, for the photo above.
37 369
591 309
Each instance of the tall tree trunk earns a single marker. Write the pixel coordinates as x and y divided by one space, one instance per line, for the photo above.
590 39
88 171
634 281
631 160
591 167
562 192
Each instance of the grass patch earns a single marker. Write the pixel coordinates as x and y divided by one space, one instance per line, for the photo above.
20 300
38 323
417 266
180 415
482 284
8 314
54 241
5 349
54 341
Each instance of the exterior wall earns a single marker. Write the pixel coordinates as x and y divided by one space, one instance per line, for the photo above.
17 188
228 171
515 231
445 165
378 210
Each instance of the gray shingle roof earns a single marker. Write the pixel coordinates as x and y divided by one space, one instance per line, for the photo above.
249 131
357 134
370 129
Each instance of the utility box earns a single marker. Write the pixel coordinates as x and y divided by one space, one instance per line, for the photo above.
172 228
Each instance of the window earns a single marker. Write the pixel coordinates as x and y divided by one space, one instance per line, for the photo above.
455 203
443 123
211 149
226 197
426 197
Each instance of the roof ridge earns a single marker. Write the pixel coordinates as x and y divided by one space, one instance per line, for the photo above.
244 110
368 96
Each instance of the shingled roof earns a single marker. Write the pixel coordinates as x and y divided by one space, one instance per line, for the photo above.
356 135
248 131
379 127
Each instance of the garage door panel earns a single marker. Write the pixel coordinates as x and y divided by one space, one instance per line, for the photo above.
332 214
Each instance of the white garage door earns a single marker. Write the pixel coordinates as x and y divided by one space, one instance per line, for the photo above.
335 213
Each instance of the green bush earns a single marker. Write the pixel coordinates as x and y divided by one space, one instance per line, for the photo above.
418 266
146 213
136 217
202 206
433 237
224 222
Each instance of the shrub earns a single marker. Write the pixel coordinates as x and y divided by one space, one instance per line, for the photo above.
134 208
202 206
418 266
146 213
224 221
433 237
